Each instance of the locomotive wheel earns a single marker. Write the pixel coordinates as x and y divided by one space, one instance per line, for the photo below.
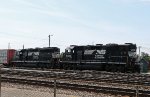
74 67
65 66
52 66
68 67
107 68
37 65
47 66
113 68
121 69
60 66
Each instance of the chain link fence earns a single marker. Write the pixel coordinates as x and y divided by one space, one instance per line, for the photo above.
15 90
18 90
23 90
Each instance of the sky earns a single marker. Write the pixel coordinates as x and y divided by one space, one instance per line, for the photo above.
74 22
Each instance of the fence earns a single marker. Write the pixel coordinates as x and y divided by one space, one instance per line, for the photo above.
17 90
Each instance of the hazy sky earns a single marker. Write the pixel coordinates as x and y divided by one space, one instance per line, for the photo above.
29 22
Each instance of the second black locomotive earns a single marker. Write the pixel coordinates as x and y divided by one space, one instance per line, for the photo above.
46 57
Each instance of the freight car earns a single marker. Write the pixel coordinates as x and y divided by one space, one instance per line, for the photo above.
6 56
109 57
37 57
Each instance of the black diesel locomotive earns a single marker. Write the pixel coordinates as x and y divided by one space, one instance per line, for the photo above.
37 57
109 57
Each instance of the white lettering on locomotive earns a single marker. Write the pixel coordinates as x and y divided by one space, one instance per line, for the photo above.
100 54
99 57
33 53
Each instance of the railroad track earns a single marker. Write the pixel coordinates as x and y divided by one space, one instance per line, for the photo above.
75 78
81 87
95 76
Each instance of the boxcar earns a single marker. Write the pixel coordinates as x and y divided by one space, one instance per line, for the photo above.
6 56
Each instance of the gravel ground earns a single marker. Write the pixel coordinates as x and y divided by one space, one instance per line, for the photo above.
17 90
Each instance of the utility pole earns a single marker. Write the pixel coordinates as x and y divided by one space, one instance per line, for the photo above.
50 40
141 67
8 45
139 51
